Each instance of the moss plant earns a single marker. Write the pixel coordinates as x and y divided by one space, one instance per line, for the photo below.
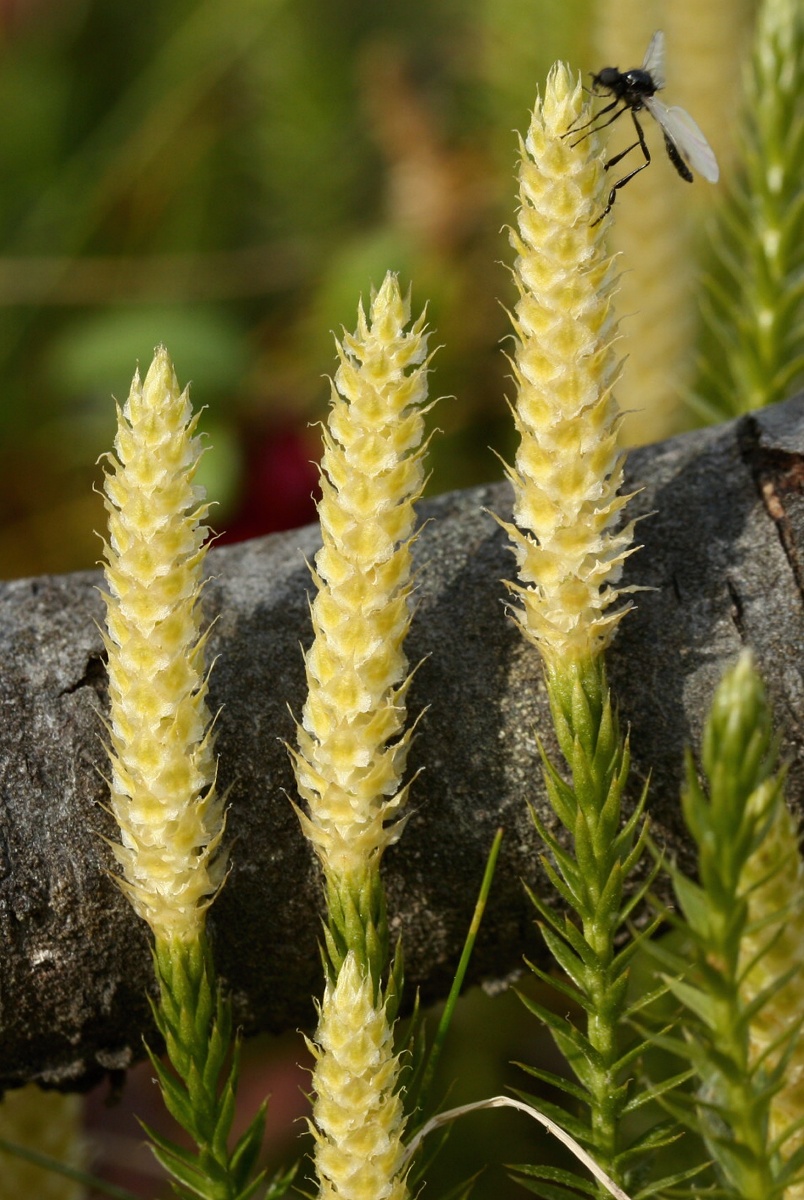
757 281
352 740
570 548
163 770
743 924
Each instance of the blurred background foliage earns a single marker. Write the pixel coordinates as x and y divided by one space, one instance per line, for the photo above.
228 177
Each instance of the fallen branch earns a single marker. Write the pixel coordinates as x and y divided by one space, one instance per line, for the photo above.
724 552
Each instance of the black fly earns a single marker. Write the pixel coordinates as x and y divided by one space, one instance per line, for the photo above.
633 90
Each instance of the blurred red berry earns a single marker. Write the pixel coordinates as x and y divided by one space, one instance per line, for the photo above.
280 486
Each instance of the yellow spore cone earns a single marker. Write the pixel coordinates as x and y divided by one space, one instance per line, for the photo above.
163 767
352 743
357 1112
568 467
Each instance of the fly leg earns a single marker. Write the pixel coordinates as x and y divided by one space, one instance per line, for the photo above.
626 178
593 121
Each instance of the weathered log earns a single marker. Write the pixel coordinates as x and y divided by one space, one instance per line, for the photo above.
722 552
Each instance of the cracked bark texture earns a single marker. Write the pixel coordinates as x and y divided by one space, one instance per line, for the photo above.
723 553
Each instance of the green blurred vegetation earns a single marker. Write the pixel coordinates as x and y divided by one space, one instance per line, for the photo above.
228 177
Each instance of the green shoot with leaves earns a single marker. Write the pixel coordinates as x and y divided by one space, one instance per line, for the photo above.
194 1018
163 772
730 811
756 287
570 548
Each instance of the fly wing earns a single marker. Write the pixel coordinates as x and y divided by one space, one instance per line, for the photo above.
654 59
686 136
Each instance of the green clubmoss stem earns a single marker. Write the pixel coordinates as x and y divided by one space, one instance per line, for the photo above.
570 548
730 811
754 349
353 740
163 770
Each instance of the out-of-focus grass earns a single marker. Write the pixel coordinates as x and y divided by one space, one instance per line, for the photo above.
227 176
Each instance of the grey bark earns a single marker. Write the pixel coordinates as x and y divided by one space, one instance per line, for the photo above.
722 552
